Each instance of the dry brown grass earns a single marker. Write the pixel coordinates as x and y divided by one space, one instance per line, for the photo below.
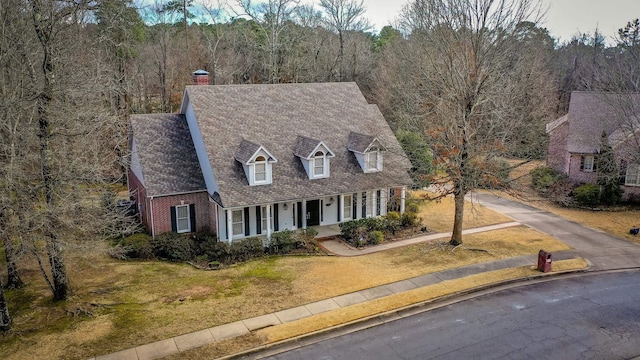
122 304
438 215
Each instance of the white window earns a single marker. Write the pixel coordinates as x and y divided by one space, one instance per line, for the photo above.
588 163
263 225
372 161
237 220
346 207
318 164
260 170
632 177
183 221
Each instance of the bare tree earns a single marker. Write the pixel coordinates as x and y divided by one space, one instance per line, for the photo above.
272 18
464 62
344 16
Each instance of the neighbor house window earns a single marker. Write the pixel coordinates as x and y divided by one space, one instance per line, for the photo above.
183 221
588 163
260 170
346 207
237 220
632 178
318 164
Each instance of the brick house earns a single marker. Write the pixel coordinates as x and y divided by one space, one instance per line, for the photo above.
247 160
574 139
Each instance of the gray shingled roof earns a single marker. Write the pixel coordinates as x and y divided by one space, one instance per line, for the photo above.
274 116
167 155
246 150
592 112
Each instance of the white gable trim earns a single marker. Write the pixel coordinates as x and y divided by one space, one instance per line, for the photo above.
264 152
320 147
201 149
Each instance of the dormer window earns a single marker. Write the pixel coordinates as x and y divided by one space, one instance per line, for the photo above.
260 170
256 162
315 156
318 164
368 151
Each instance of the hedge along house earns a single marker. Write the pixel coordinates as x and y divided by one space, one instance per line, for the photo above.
575 138
248 160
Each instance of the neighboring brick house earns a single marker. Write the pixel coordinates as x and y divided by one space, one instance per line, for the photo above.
574 139
247 160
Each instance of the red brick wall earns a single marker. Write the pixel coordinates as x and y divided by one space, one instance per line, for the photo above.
161 207
162 213
578 176
558 155
212 216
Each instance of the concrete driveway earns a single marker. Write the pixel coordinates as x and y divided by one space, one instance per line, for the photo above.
604 251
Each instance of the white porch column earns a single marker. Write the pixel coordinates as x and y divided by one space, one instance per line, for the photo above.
383 201
268 223
229 226
304 214
341 208
403 196
374 203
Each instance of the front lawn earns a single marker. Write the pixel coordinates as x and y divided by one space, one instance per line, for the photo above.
121 304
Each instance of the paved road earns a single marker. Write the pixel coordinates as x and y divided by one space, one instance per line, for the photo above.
603 250
595 316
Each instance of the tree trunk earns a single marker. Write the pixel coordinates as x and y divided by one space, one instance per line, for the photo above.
13 277
5 319
456 235
45 33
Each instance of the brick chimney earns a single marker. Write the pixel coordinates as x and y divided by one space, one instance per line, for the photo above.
200 77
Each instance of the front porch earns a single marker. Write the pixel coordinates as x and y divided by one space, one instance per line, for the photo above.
327 231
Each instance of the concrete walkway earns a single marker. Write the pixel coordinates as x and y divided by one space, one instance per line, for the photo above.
604 251
341 248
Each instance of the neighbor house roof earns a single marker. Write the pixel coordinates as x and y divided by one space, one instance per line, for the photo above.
276 116
590 113
167 156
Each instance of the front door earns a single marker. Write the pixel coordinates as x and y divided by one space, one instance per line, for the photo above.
313 212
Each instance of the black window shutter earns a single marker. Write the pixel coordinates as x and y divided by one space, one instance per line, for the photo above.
299 214
338 202
192 216
595 163
294 213
321 210
275 217
354 206
247 227
258 220
226 224
174 225
581 162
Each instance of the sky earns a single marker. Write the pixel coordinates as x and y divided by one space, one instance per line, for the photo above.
564 17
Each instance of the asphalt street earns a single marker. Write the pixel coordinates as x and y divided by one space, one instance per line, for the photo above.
594 316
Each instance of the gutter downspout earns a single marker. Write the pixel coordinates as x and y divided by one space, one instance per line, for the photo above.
153 229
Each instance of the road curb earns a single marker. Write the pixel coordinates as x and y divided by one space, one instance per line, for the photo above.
409 310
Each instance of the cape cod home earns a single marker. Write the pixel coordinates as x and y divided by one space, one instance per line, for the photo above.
574 139
247 160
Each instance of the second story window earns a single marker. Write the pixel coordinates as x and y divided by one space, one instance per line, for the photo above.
318 164
260 171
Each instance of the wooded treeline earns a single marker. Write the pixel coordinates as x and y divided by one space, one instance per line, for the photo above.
72 71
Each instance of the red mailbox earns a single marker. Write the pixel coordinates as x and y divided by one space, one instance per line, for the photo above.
544 261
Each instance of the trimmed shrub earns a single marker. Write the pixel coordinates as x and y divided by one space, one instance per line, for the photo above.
282 242
587 195
245 249
376 237
408 219
173 247
544 177
136 246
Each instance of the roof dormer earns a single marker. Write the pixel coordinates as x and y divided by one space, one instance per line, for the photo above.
257 162
315 156
368 151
